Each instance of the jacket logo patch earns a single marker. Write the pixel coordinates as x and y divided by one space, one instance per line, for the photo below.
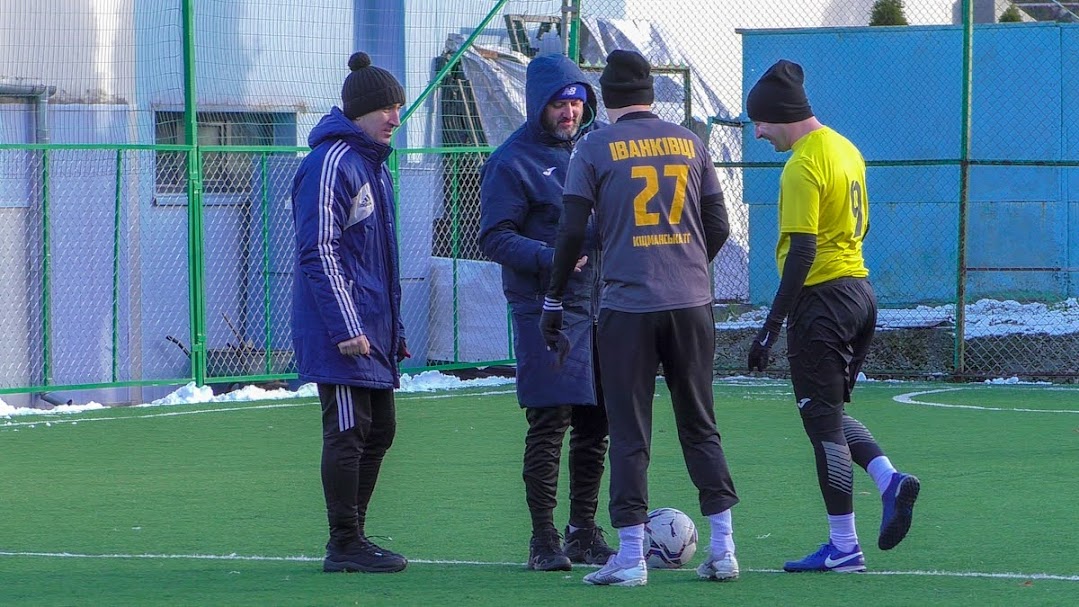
363 206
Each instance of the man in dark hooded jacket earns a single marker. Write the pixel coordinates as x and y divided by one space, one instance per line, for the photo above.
520 206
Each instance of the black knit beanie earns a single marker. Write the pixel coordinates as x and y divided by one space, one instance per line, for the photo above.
778 97
626 80
368 88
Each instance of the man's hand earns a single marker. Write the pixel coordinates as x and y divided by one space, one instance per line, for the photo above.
357 346
402 351
760 349
580 263
551 328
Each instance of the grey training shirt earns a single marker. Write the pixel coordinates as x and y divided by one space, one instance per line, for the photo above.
646 178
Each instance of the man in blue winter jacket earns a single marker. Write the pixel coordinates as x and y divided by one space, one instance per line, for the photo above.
520 206
346 306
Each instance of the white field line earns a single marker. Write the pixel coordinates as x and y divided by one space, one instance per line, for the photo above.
49 420
224 557
909 399
44 421
455 395
312 559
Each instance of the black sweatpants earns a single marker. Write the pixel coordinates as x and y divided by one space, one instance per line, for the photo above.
547 426
358 426
587 425
631 348
829 333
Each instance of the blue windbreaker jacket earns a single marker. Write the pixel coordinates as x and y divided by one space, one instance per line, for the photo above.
346 280
520 206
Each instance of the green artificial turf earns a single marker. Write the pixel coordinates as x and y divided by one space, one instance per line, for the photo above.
221 504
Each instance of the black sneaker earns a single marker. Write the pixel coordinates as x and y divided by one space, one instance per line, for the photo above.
362 555
377 548
587 546
545 552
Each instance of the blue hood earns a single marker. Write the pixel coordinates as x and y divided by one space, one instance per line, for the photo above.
546 75
335 126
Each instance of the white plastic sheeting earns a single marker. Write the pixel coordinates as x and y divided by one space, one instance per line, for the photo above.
497 75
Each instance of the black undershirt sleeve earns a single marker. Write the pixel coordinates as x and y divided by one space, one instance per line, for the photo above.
571 233
800 258
716 226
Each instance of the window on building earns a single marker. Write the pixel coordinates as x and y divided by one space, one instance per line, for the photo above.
223 173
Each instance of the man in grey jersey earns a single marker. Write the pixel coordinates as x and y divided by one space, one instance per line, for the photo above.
661 220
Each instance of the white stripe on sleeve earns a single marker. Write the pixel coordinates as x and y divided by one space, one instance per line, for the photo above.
330 266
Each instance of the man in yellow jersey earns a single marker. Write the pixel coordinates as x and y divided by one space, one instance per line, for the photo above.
825 290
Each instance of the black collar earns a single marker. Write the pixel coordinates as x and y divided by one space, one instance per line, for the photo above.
638 116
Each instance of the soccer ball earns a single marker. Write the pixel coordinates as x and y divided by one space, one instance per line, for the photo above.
670 539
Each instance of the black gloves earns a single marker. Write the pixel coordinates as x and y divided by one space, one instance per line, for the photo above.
761 347
551 328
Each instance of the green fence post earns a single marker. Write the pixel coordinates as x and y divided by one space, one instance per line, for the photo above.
266 291
509 331
687 100
964 189
393 163
46 262
116 227
575 32
196 285
455 251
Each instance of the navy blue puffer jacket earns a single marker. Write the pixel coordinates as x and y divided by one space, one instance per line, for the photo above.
346 280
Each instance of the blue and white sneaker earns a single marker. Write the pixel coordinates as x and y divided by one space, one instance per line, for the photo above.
898 501
829 558
613 574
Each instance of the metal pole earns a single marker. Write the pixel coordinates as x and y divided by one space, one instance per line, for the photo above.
194 202
964 188
393 163
565 27
116 228
46 263
575 33
455 251
687 99
509 331
266 291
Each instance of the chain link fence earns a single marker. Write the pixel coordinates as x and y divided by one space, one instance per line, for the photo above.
969 187
147 152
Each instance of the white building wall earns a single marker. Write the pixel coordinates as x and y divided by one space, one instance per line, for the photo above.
85 48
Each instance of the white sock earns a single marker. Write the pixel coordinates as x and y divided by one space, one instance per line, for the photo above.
881 469
630 545
722 540
572 529
841 531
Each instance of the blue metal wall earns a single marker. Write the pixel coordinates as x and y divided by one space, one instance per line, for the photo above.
896 92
